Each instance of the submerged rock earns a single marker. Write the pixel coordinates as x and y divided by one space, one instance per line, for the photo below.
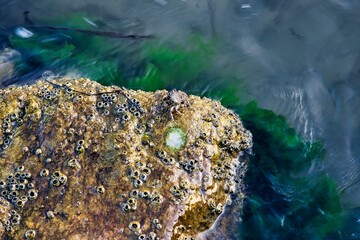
82 161
8 58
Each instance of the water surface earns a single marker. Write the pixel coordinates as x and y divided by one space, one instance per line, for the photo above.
299 59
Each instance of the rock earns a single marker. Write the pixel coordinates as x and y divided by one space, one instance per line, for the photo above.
8 58
82 161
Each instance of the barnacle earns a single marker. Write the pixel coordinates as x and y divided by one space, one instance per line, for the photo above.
156 198
168 160
162 172
63 179
44 172
32 194
30 234
73 163
56 174
20 169
137 183
134 225
132 202
38 151
100 189
50 214
134 193
79 148
134 173
145 194
161 154
125 207
146 171
55 182
100 104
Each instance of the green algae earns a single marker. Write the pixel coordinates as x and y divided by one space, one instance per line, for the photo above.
171 66
290 154
44 51
281 202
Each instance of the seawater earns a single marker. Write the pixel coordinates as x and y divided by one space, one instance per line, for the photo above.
290 69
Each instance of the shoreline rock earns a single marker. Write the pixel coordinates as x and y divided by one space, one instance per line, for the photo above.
8 59
83 161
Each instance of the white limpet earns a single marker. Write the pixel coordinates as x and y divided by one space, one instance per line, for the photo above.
175 138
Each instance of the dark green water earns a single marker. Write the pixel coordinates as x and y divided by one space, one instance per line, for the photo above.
303 146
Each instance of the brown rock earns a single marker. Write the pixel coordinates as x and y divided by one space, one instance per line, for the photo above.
82 161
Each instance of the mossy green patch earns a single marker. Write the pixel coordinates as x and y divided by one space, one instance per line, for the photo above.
286 198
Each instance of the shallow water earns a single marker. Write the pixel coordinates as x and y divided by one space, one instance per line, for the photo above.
299 59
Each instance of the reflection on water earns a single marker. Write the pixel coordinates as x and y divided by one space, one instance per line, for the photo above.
298 58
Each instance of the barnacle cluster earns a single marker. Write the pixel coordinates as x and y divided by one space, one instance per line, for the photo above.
84 161
16 189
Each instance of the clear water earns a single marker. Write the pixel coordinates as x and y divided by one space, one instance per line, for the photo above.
299 59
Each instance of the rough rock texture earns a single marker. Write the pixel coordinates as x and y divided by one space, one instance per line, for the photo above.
82 161
8 57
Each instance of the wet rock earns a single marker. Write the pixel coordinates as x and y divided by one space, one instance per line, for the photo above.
8 58
82 161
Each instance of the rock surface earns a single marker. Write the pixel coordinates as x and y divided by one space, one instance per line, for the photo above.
8 58
82 161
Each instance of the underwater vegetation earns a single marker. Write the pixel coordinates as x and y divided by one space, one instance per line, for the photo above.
290 200
287 196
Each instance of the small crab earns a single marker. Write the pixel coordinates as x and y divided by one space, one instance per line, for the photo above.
177 98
